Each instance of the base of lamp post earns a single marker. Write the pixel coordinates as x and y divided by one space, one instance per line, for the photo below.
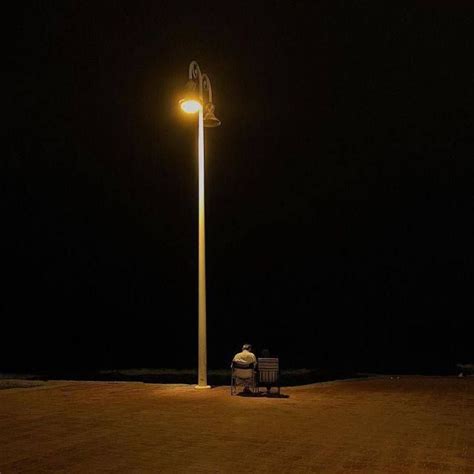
200 387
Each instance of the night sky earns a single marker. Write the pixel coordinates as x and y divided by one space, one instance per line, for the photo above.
339 187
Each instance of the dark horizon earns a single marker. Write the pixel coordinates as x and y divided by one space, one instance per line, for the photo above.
339 188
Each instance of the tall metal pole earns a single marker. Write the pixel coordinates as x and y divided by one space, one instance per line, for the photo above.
196 78
202 338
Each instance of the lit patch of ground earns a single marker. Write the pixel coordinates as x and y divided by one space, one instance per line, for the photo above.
411 424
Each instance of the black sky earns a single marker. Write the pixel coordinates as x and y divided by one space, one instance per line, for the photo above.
339 186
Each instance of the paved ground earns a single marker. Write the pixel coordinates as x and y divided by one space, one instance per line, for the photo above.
415 424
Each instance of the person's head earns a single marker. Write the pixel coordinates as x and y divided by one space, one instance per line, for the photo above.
247 347
265 353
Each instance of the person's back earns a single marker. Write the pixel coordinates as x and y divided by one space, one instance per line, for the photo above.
246 357
244 364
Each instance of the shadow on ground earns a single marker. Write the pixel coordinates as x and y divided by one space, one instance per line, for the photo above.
261 395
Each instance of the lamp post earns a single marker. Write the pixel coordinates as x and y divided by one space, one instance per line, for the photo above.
192 102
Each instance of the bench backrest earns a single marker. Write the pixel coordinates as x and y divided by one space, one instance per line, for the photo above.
241 370
268 369
241 365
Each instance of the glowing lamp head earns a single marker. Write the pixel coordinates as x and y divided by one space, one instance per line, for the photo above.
190 102
190 106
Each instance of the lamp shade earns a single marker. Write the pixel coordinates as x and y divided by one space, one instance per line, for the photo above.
210 120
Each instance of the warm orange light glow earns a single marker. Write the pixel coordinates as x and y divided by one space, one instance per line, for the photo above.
190 106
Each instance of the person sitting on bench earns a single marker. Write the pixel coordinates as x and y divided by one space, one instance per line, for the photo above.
247 359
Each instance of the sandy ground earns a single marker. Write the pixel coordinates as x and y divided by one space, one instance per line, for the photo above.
414 424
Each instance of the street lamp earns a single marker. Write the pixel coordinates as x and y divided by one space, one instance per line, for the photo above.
192 102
